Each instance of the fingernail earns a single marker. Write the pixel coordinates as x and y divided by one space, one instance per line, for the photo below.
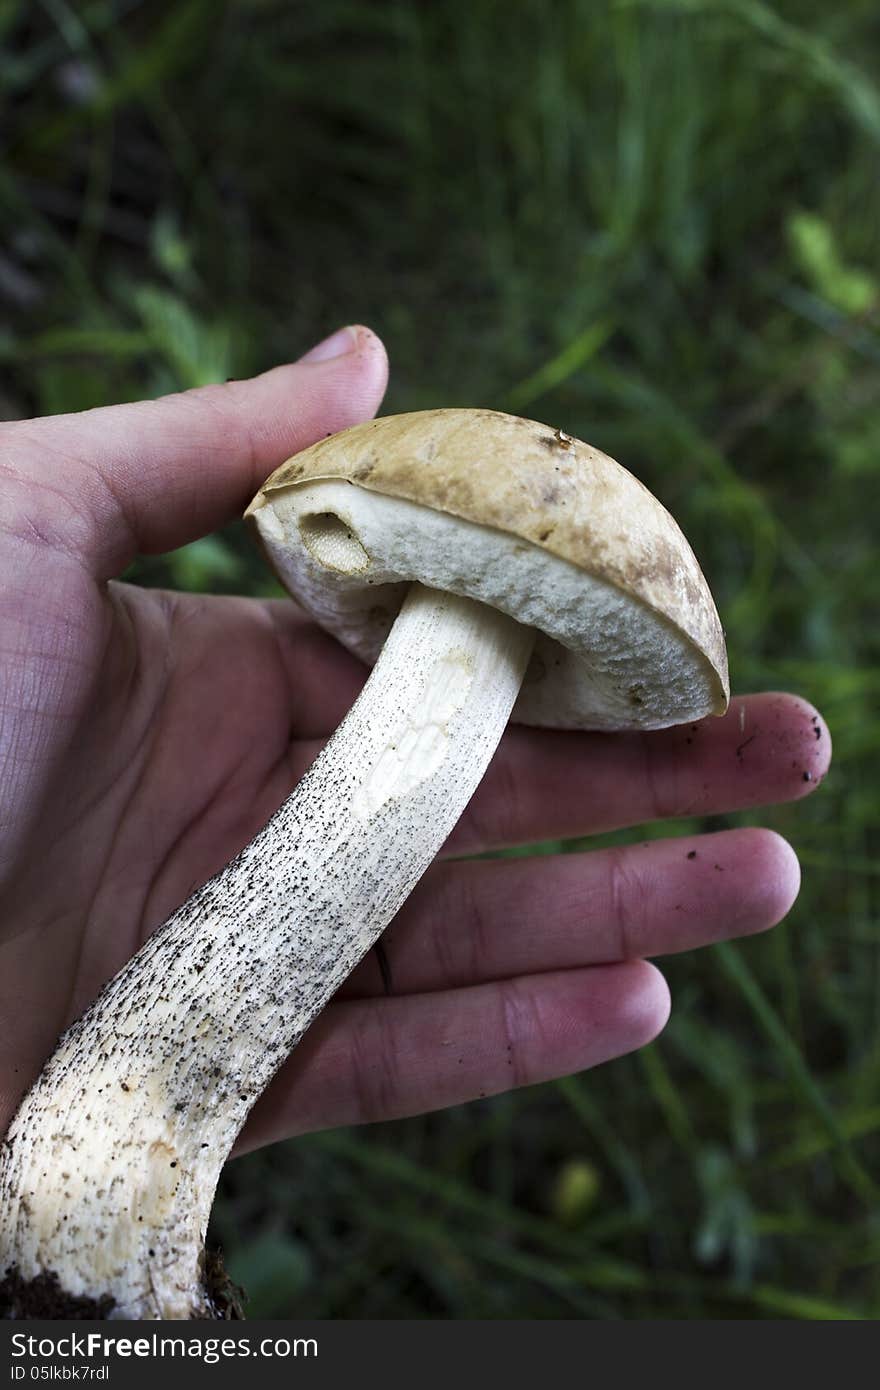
337 345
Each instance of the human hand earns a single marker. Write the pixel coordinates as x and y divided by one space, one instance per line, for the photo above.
145 737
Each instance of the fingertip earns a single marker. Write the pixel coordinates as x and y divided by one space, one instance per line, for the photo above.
754 883
371 357
775 877
647 1006
818 738
355 349
805 740
336 384
370 345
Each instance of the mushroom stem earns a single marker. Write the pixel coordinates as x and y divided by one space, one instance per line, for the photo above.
109 1168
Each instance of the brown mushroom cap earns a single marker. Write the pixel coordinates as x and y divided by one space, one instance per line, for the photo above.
555 533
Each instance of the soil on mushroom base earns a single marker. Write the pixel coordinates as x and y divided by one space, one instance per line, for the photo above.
43 1297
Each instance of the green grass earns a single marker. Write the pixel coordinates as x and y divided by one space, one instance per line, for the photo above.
655 225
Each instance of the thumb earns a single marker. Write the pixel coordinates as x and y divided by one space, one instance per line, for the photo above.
153 475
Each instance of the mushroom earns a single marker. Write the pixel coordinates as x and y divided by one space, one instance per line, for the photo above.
487 564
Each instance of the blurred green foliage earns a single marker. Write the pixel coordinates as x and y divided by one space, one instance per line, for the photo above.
655 224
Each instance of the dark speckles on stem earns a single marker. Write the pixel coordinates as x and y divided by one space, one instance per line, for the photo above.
200 1066
692 854
745 743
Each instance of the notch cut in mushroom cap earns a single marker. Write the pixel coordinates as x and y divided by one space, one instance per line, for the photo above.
525 519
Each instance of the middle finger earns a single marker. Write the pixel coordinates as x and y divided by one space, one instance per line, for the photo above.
469 922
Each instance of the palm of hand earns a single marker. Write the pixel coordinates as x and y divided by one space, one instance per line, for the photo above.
162 731
144 739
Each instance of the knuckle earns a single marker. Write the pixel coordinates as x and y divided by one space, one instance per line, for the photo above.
626 898
373 1065
522 1029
